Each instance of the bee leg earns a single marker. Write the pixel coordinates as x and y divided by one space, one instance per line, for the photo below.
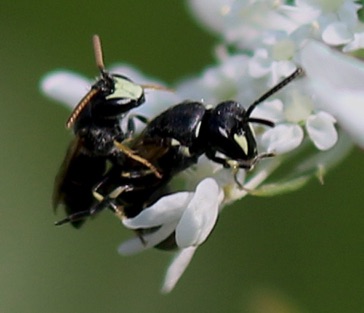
262 156
130 153
82 214
141 238
104 202
109 200
74 217
131 124
236 179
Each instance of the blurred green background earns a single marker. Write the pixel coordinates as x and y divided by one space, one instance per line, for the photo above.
301 252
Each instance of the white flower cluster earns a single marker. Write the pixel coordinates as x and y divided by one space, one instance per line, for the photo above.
270 38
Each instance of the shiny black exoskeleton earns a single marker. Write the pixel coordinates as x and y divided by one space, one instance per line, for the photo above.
96 124
187 130
172 142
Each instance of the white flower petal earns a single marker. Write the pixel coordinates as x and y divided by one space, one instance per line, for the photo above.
348 13
281 69
282 138
177 268
270 109
166 210
336 69
65 87
348 109
136 245
321 129
260 64
357 43
216 83
337 82
301 13
249 21
337 33
298 106
210 13
283 50
201 214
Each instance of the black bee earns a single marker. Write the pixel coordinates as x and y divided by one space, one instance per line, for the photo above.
96 124
172 142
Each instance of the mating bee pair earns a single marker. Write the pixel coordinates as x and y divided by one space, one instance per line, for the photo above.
107 167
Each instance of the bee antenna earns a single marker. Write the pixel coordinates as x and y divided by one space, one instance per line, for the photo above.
98 53
298 72
156 87
80 106
87 98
